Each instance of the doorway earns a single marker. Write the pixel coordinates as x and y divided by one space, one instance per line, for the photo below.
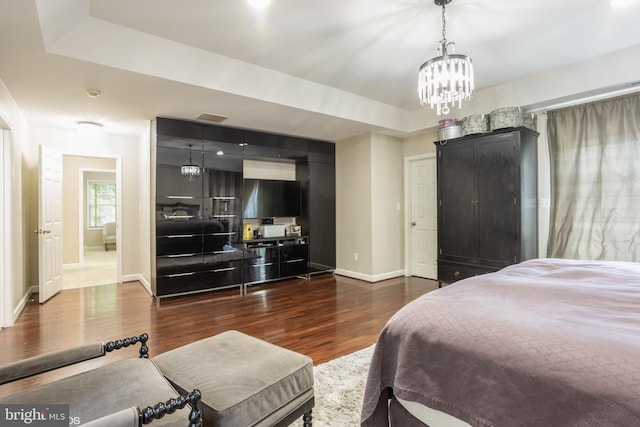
421 232
90 201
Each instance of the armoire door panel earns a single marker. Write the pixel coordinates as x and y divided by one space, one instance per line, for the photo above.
496 209
455 200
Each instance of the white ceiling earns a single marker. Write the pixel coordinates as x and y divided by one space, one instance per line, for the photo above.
327 69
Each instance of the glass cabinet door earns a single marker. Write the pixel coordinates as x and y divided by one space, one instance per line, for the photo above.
179 172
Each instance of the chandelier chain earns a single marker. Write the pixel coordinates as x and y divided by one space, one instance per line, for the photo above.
444 26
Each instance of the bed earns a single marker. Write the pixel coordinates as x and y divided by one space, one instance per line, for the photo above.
547 342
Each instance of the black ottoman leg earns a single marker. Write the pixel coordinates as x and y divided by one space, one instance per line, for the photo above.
306 419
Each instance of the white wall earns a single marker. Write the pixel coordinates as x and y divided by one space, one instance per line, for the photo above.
259 169
143 207
544 186
14 285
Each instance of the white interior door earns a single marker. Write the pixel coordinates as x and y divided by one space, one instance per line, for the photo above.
50 223
424 224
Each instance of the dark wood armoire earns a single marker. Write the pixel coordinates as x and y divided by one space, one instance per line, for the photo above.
487 202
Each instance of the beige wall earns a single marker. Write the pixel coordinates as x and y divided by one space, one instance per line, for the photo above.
353 207
370 203
74 219
387 212
422 143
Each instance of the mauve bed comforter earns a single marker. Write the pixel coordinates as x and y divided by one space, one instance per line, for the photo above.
547 342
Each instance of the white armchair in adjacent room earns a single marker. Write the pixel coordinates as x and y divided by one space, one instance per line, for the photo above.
108 234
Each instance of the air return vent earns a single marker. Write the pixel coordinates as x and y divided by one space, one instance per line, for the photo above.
208 117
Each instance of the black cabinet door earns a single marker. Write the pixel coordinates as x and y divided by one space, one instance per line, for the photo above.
178 128
321 207
322 151
222 187
261 264
293 259
496 200
171 180
178 216
293 148
224 134
260 144
456 204
223 275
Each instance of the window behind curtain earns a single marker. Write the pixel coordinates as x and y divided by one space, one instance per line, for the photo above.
595 180
101 202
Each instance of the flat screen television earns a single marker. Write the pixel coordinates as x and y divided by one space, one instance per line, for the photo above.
268 198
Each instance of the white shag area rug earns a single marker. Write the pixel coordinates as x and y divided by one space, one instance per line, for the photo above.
339 389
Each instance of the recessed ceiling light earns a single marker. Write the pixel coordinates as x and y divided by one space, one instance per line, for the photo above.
259 4
622 3
89 123
92 93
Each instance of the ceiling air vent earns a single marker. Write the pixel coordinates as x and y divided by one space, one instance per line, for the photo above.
208 117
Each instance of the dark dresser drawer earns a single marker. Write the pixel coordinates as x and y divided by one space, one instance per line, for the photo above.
451 272
221 275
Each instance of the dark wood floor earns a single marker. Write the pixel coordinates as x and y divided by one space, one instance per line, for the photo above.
324 318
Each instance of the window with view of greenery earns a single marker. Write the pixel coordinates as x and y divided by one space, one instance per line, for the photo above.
101 203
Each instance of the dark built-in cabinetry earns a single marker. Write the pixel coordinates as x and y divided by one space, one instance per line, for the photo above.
272 259
487 192
197 229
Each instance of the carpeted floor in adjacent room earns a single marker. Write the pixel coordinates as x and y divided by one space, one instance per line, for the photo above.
98 268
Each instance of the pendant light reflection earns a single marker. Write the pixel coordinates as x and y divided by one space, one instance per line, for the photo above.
190 170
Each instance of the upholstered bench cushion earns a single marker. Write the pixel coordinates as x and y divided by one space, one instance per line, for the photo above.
107 389
244 381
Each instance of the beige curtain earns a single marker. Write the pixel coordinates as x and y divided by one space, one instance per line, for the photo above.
595 180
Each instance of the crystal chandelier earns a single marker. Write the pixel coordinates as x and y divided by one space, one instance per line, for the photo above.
190 170
447 78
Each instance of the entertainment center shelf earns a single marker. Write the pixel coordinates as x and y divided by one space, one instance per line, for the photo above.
197 225
275 259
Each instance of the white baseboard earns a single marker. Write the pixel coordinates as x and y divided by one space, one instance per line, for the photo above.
72 265
368 277
23 302
140 278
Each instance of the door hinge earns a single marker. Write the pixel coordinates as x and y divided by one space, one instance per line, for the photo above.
440 250
515 201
